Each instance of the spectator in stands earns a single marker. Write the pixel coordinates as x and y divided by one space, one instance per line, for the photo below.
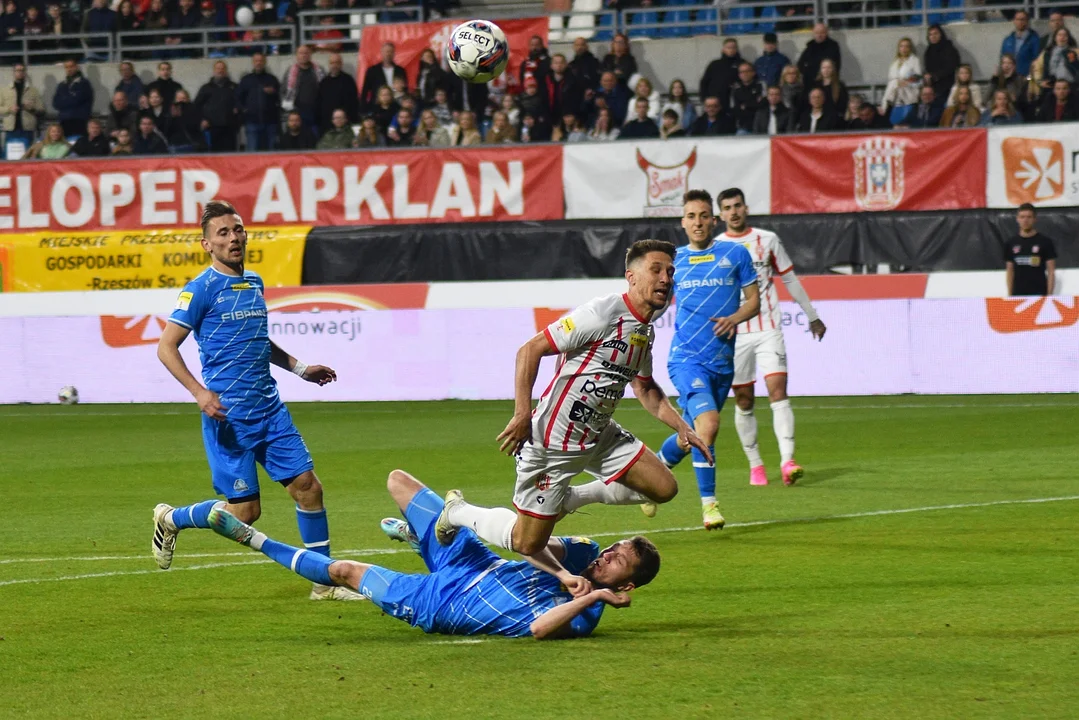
11 25
579 131
620 61
369 135
20 103
1009 80
793 89
641 126
678 102
964 77
34 26
1001 112
431 78
402 132
722 73
585 66
187 134
714 121
962 113
1057 62
941 61
51 147
1021 44
93 144
772 117
156 111
926 113
821 47
564 128
292 17
127 20
904 80
123 143
339 136
259 98
299 87
187 17
164 83
156 18
836 95
328 39
296 135
500 131
605 128
747 96
74 99
430 133
564 95
442 110
148 141
379 75
854 105
1056 22
216 102
670 126
130 84
469 96
337 90
869 119
643 90
1030 258
770 64
816 118
385 108
1060 106
265 15
60 24
538 62
464 132
611 95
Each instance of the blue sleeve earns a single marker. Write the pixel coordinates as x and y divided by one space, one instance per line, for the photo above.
586 622
747 274
191 306
579 553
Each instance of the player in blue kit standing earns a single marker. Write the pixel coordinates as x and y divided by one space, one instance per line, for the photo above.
244 420
715 289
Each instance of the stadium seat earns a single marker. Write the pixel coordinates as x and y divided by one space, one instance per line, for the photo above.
582 25
767 18
643 18
676 17
933 17
605 28
739 28
710 16
954 16
554 34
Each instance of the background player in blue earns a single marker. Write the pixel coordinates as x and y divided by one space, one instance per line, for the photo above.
715 289
470 590
244 420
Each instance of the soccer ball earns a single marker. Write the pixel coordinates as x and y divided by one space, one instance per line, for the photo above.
477 51
68 395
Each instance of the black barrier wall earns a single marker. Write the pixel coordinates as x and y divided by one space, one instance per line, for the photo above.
922 242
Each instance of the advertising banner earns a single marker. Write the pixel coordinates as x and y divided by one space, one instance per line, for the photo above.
647 179
933 170
319 188
138 260
411 39
1033 164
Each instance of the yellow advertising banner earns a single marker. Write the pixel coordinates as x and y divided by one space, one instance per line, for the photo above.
124 260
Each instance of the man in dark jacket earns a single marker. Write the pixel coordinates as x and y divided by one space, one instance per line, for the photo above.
74 100
164 84
773 117
817 49
641 126
93 144
121 116
469 96
186 125
148 141
538 62
379 75
187 17
747 95
131 85
216 102
585 65
337 91
925 114
99 20
296 136
259 98
1059 105
563 93
869 119
770 64
613 95
713 122
818 117
721 73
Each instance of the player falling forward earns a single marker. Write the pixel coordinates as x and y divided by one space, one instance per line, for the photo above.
244 420
711 276
470 590
760 340
605 345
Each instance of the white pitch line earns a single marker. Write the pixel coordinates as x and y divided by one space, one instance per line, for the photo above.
78 558
460 641
384 551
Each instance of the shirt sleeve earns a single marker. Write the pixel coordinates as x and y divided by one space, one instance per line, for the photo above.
747 274
578 553
190 306
781 261
586 622
1008 255
1049 250
581 327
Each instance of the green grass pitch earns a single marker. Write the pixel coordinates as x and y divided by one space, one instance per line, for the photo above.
818 601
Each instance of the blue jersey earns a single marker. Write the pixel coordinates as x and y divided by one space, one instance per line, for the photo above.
708 284
506 597
227 315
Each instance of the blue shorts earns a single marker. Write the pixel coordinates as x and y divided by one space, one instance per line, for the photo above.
700 389
234 446
417 598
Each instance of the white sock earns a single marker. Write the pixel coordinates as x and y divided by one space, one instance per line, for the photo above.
493 525
745 422
257 540
708 499
783 422
597 492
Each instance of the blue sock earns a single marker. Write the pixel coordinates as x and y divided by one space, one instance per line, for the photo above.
314 530
305 563
193 516
706 474
669 453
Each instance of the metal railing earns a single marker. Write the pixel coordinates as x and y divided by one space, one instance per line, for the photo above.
351 22
53 48
215 42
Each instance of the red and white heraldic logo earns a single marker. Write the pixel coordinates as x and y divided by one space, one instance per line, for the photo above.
1033 169
879 174
666 185
1012 315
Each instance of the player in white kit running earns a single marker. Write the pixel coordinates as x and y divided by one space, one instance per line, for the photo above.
604 345
760 340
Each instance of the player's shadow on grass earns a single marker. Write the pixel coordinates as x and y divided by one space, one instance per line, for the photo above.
820 476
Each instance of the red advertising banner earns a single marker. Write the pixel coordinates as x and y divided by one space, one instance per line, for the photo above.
411 39
936 170
331 188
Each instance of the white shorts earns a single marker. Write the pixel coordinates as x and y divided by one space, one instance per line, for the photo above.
760 349
543 474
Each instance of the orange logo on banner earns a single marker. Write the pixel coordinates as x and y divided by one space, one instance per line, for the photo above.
323 298
546 316
121 332
1011 315
1033 169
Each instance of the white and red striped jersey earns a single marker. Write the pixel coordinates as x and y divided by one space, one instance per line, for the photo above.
770 259
604 345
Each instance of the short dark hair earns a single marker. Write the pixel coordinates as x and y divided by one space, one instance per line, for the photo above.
642 247
698 195
730 194
215 209
669 113
647 561
1026 206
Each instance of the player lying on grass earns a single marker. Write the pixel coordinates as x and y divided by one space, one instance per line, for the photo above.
470 590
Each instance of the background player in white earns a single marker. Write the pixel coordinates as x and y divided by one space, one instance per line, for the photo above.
605 344
760 340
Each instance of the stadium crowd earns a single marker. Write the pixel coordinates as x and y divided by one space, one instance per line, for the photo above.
316 104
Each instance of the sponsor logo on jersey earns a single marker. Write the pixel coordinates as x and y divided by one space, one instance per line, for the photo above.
242 315
619 345
604 392
1011 315
707 282
239 485
698 384
879 174
567 325
698 259
184 301
637 340
241 286
543 482
724 262
666 185
580 412
1033 169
